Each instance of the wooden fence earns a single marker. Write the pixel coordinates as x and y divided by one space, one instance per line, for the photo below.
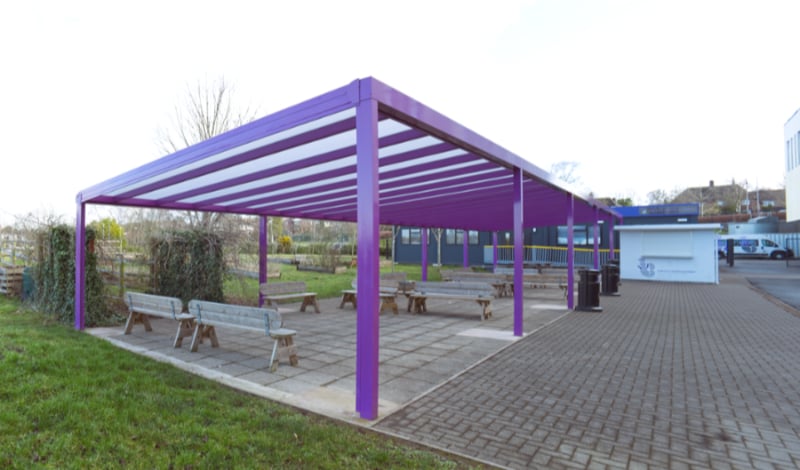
11 280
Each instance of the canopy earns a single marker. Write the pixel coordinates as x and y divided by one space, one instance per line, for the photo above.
301 162
363 153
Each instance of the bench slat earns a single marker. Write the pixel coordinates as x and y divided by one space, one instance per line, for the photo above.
480 292
212 314
140 306
289 290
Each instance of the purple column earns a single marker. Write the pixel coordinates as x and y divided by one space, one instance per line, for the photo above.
424 245
570 251
466 249
80 265
262 256
611 254
596 236
367 323
494 251
519 255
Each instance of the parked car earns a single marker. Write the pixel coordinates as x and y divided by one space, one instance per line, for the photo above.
752 247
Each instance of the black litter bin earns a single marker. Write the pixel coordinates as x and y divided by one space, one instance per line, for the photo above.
589 291
610 277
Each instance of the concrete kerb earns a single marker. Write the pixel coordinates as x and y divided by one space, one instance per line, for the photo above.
775 300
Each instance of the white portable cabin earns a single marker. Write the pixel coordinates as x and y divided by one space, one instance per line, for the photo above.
670 253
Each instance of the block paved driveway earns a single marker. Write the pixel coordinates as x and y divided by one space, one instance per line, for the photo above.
668 376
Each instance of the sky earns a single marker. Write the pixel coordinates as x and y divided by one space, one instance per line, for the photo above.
642 95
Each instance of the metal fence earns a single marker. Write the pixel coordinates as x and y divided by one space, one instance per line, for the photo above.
552 255
557 255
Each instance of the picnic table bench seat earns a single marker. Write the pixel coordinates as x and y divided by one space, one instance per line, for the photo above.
538 278
209 315
388 290
480 292
500 282
142 306
275 291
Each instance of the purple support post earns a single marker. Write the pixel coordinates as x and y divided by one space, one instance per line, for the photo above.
262 256
494 251
465 249
570 251
519 255
424 244
80 265
611 254
367 323
596 236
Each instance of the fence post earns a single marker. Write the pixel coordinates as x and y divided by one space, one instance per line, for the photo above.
121 275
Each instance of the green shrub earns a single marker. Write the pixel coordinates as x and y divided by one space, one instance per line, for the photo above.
188 265
55 277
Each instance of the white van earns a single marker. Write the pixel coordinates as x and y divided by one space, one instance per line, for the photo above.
752 246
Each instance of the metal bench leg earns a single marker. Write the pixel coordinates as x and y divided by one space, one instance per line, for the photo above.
130 322
185 328
487 311
273 360
196 337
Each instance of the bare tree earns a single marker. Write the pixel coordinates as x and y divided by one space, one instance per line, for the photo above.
565 171
208 109
437 234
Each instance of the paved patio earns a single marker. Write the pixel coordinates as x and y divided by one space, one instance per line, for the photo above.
417 352
667 376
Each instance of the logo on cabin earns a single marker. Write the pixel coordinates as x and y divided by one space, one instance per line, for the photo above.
647 269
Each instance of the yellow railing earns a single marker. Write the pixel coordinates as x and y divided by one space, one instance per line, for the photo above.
555 255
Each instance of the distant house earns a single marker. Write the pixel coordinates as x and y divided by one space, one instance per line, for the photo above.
732 199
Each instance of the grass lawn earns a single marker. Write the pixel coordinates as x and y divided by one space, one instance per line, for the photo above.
243 290
70 400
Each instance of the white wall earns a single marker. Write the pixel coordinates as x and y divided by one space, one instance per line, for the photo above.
791 135
670 253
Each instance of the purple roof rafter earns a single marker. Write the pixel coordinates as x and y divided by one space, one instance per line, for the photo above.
300 162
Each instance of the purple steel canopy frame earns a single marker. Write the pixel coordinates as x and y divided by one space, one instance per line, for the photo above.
362 153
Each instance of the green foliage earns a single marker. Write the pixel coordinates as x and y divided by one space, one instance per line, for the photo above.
188 265
624 202
284 244
70 400
55 277
107 229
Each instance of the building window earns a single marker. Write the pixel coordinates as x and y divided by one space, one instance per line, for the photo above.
453 236
410 236
473 237
582 235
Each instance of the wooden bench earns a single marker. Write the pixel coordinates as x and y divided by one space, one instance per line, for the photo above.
142 306
498 281
274 291
387 293
209 315
480 292
539 278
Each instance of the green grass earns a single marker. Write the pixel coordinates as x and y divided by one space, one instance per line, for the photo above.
70 400
245 290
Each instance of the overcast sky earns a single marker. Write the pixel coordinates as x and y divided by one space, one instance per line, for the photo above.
643 95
